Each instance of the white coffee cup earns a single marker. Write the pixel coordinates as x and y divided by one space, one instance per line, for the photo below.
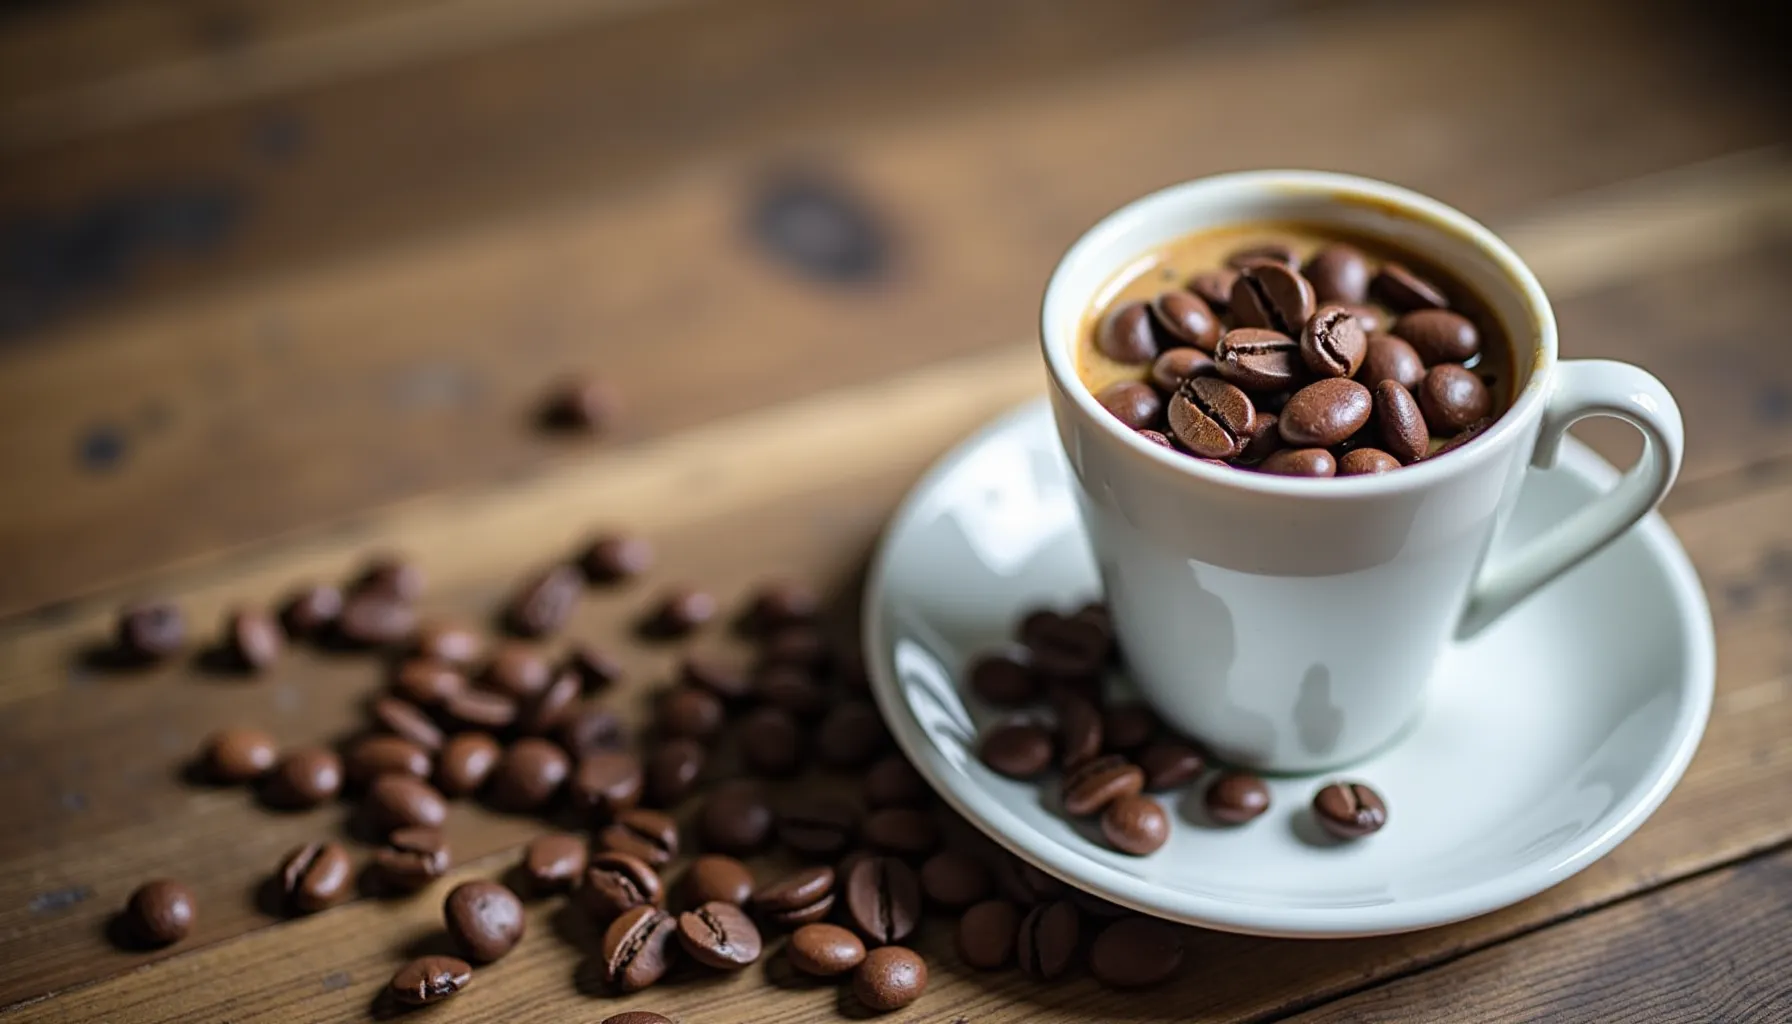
1290 624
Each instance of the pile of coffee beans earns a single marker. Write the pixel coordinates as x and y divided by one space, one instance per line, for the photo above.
1109 755
1334 367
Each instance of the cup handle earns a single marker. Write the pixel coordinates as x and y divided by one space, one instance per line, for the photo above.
1586 387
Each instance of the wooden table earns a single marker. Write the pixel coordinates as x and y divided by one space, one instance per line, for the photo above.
281 283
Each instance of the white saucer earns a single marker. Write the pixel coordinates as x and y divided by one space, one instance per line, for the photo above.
1547 740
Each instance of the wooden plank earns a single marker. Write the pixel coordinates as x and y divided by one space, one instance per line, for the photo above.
1711 948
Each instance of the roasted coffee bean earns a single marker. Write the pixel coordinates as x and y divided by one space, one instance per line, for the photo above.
1366 462
607 782
715 877
883 899
1177 365
1397 286
1126 334
1349 810
1300 462
824 950
310 610
1079 731
402 718
689 711
817 826
553 863
725 677
583 404
1134 404
1401 423
596 668
1047 940
986 935
735 818
791 688
391 576
720 935
151 630
616 883
614 557
485 919
955 880
1369 317
544 712
160 912
803 646
673 770
1019 750
1258 359
1099 781
252 638
1003 680
466 761
1067 649
893 782
1127 727
480 709
648 835
637 948
1169 763
396 801
529 775
851 736
890 978
543 602
1025 884
412 858
1260 252
1452 398
771 742
1333 344
638 1017
680 611
517 672
1339 273
304 778
1273 296
316 876
777 604
1391 358
1235 798
1325 413
1185 319
1439 336
1260 440
426 682
1135 824
799 898
376 619
1214 287
450 643
1210 417
375 755
430 979
903 831
238 755
1137 952
1469 433
588 729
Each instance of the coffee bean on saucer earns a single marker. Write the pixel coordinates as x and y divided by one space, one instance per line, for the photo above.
1127 727
955 880
802 897
1333 343
715 877
1135 824
1126 334
673 770
449 643
1339 273
485 919
554 862
1002 680
1185 319
1099 781
720 935
252 638
771 742
986 934
1390 358
1397 286
430 979
543 602
588 729
1452 398
1315 462
851 735
903 831
883 899
160 912
316 876
1349 810
1272 296
1209 417
1079 731
725 677
379 753
427 683
1019 750
375 618
824 950
735 818
391 576
678 612
151 630
637 948
1235 798
890 978
1178 365
304 778
397 800
238 755
616 883
893 782
1214 287
1401 423
819 827
1137 952
596 668
1169 763
484 710
1325 413
648 835
607 782
614 557
412 858
791 688
1366 462
1134 404
583 404
310 610
466 761
1047 940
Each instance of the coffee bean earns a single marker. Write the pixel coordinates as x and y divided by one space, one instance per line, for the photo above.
151 630
553 863
375 755
413 858
771 742
1333 344
252 638
851 736
1177 365
485 919
616 883
1235 798
893 782
1099 781
1003 680
1069 650
800 898
803 646
398 801
1134 404
1214 287
160 912
480 709
466 761
430 979
426 682
679 612
1349 810
316 876
1079 731
903 831
1401 423
1169 763
1025 884
449 643
238 755
1469 433
890 978
1260 440
1261 252
390 576
1391 358
1210 417
376 619
824 950
614 557
1300 462
1019 750
1047 940
1258 360
719 935
517 672
583 404
1339 273
722 676
1126 334
777 604
544 712
1127 727
402 718
304 778
735 818
1135 824
1370 318
986 935
817 826
1325 413
1397 286
955 880
1272 295
1439 336
1452 398
607 782
588 729
1137 952
596 668
649 835
673 769
543 602
689 711
791 688
310 610
1366 462
715 877
1185 319
637 948
883 899
638 1017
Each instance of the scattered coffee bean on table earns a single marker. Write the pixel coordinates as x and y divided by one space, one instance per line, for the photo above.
717 878
1349 810
397 800
151 631
466 761
303 778
402 718
720 935
160 912
426 682
380 753
649 835
238 755
543 602
679 612
954 880
1137 952
735 818
616 883
986 934
1235 798
673 770
615 557
485 919
389 576
800 898
376 619
637 948
316 876
893 782
824 950
638 1017
450 643
430 979
529 775
310 610
903 831
883 899
252 638
818 827
554 862
890 978
689 711
580 404
412 858
1047 940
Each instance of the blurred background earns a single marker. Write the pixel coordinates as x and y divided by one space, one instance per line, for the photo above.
268 264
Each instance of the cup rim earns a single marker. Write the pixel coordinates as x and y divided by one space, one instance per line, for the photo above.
1526 407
